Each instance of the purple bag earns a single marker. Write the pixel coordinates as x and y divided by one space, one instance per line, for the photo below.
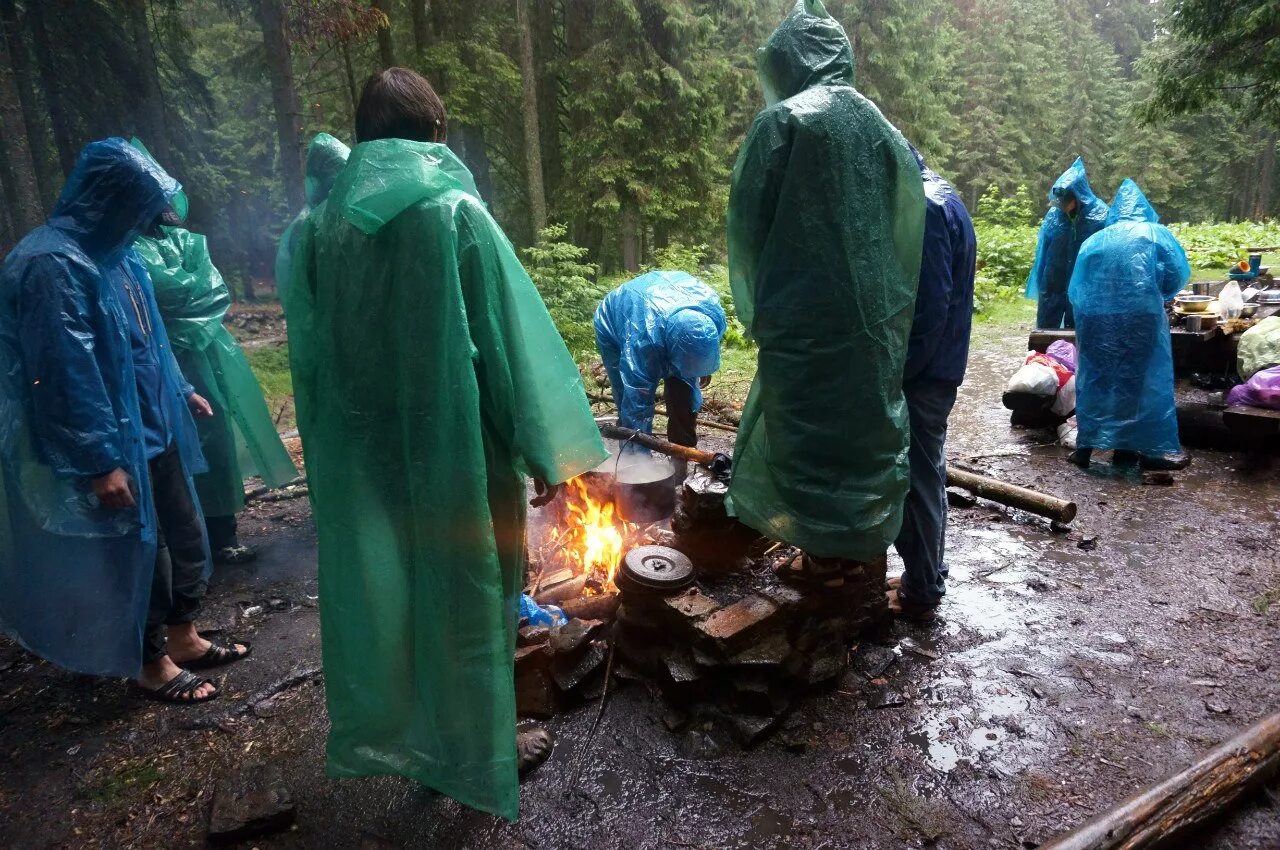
1262 390
1063 352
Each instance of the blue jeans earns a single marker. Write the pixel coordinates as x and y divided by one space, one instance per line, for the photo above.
922 541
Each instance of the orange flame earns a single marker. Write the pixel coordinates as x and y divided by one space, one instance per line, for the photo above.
594 540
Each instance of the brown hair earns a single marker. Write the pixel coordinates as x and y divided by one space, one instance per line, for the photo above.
400 104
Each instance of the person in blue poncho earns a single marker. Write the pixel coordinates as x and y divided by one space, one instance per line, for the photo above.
1075 214
103 556
1124 384
937 355
665 328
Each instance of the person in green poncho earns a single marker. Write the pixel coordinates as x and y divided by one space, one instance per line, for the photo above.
430 381
326 157
240 439
826 220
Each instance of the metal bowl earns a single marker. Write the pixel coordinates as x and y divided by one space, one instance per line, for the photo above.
1249 311
1193 303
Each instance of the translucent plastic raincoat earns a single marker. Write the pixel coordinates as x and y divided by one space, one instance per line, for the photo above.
193 299
1060 239
75 578
430 379
1122 279
326 157
826 217
659 325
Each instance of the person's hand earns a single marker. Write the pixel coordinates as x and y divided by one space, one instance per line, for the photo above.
704 381
546 493
113 490
200 408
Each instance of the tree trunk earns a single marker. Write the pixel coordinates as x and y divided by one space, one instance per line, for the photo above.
423 34
548 44
21 195
469 144
532 131
152 125
386 47
37 132
284 96
1169 813
352 89
630 234
59 118
248 235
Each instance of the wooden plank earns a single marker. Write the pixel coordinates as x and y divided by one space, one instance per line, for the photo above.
1042 338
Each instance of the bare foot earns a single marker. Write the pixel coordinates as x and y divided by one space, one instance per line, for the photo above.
894 583
904 609
156 674
185 644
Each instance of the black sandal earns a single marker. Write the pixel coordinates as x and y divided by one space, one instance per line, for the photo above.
217 655
180 690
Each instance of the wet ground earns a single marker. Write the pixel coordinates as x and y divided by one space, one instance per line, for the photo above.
1066 671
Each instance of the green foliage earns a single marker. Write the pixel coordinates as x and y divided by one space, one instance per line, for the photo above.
567 284
1214 246
1005 255
1012 211
271 366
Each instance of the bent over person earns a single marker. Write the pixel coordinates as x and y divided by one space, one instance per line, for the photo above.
665 328
430 380
103 558
826 217
1124 384
1075 214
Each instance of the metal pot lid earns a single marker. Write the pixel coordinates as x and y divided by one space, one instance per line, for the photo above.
659 568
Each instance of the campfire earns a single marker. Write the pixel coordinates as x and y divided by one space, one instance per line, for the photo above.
581 549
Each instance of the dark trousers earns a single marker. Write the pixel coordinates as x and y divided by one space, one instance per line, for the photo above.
222 532
682 422
1053 311
178 584
922 540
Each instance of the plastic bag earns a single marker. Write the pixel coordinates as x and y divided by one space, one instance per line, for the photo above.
1259 348
1230 301
1065 402
1262 390
1034 378
1068 432
1064 353
533 614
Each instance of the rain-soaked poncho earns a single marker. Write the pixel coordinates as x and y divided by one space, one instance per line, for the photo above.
826 221
660 325
240 439
326 157
75 578
1259 348
430 379
1122 279
1059 243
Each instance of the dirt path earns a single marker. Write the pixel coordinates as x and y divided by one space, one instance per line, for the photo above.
1067 670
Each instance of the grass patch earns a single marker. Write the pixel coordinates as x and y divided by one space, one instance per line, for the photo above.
1263 601
1157 728
111 786
271 367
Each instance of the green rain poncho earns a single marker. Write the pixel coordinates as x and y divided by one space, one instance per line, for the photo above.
240 439
326 157
826 222
430 379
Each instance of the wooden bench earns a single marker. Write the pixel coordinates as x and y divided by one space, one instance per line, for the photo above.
1253 424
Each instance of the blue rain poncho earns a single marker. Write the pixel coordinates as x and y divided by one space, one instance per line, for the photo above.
75 579
1060 239
661 325
1122 279
326 157
825 229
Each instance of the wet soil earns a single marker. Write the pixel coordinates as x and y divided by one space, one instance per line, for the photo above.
1066 671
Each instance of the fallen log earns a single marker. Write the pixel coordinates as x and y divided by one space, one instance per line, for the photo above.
662 411
1040 504
1164 815
601 607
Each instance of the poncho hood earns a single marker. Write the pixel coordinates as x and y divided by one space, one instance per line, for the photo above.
326 157
114 192
1131 205
1073 181
384 178
808 49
